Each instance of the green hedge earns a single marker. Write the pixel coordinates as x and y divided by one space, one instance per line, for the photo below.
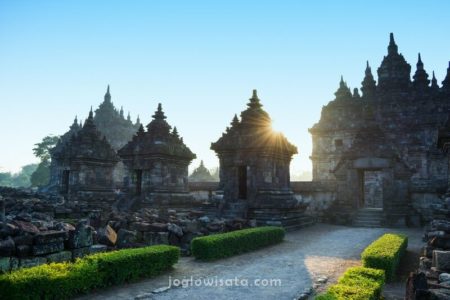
235 242
65 280
357 283
385 253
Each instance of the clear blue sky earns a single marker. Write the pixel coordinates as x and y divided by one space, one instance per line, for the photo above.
201 59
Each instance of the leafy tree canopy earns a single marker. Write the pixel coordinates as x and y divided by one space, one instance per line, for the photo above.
42 149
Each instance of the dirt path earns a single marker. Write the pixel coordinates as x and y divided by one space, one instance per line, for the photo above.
310 257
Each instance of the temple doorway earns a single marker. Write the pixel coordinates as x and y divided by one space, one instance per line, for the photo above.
242 178
372 185
65 181
138 182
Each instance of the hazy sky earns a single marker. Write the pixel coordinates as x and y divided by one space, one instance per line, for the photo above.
201 59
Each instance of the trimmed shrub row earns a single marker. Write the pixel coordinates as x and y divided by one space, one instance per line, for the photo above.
235 242
65 280
357 283
380 262
385 253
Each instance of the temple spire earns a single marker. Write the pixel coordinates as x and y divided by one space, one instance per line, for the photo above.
419 63
356 94
159 114
254 100
392 48
75 125
343 91
107 95
138 120
368 84
446 81
175 132
235 121
421 76
434 84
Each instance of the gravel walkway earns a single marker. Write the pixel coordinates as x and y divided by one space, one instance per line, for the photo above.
309 258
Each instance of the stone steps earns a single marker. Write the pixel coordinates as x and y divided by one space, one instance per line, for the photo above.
288 219
369 217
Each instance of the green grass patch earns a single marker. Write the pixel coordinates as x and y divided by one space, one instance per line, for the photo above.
385 253
65 280
231 243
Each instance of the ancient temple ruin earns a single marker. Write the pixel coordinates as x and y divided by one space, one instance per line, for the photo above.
157 163
112 123
254 166
83 164
380 148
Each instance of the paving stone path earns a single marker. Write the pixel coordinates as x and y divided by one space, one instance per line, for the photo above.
309 258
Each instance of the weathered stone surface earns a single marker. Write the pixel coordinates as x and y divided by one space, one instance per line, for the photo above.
441 260
175 229
47 248
25 239
157 227
50 236
80 252
7 247
80 237
444 277
59 256
107 236
31 262
26 227
126 238
8 230
156 238
23 250
98 248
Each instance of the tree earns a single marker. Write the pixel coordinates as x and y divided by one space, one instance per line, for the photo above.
22 179
5 179
41 175
42 149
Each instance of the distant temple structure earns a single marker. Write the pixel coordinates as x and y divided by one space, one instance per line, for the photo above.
157 163
380 148
112 123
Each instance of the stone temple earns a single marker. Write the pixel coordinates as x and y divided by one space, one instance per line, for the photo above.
157 163
254 167
84 164
379 149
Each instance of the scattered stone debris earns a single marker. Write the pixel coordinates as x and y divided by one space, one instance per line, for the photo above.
432 279
40 228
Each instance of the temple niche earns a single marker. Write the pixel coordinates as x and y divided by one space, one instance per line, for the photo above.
157 163
379 148
83 162
254 166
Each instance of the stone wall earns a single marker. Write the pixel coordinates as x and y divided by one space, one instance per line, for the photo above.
316 195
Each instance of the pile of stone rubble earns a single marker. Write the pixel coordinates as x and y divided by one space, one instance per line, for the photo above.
33 230
432 279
